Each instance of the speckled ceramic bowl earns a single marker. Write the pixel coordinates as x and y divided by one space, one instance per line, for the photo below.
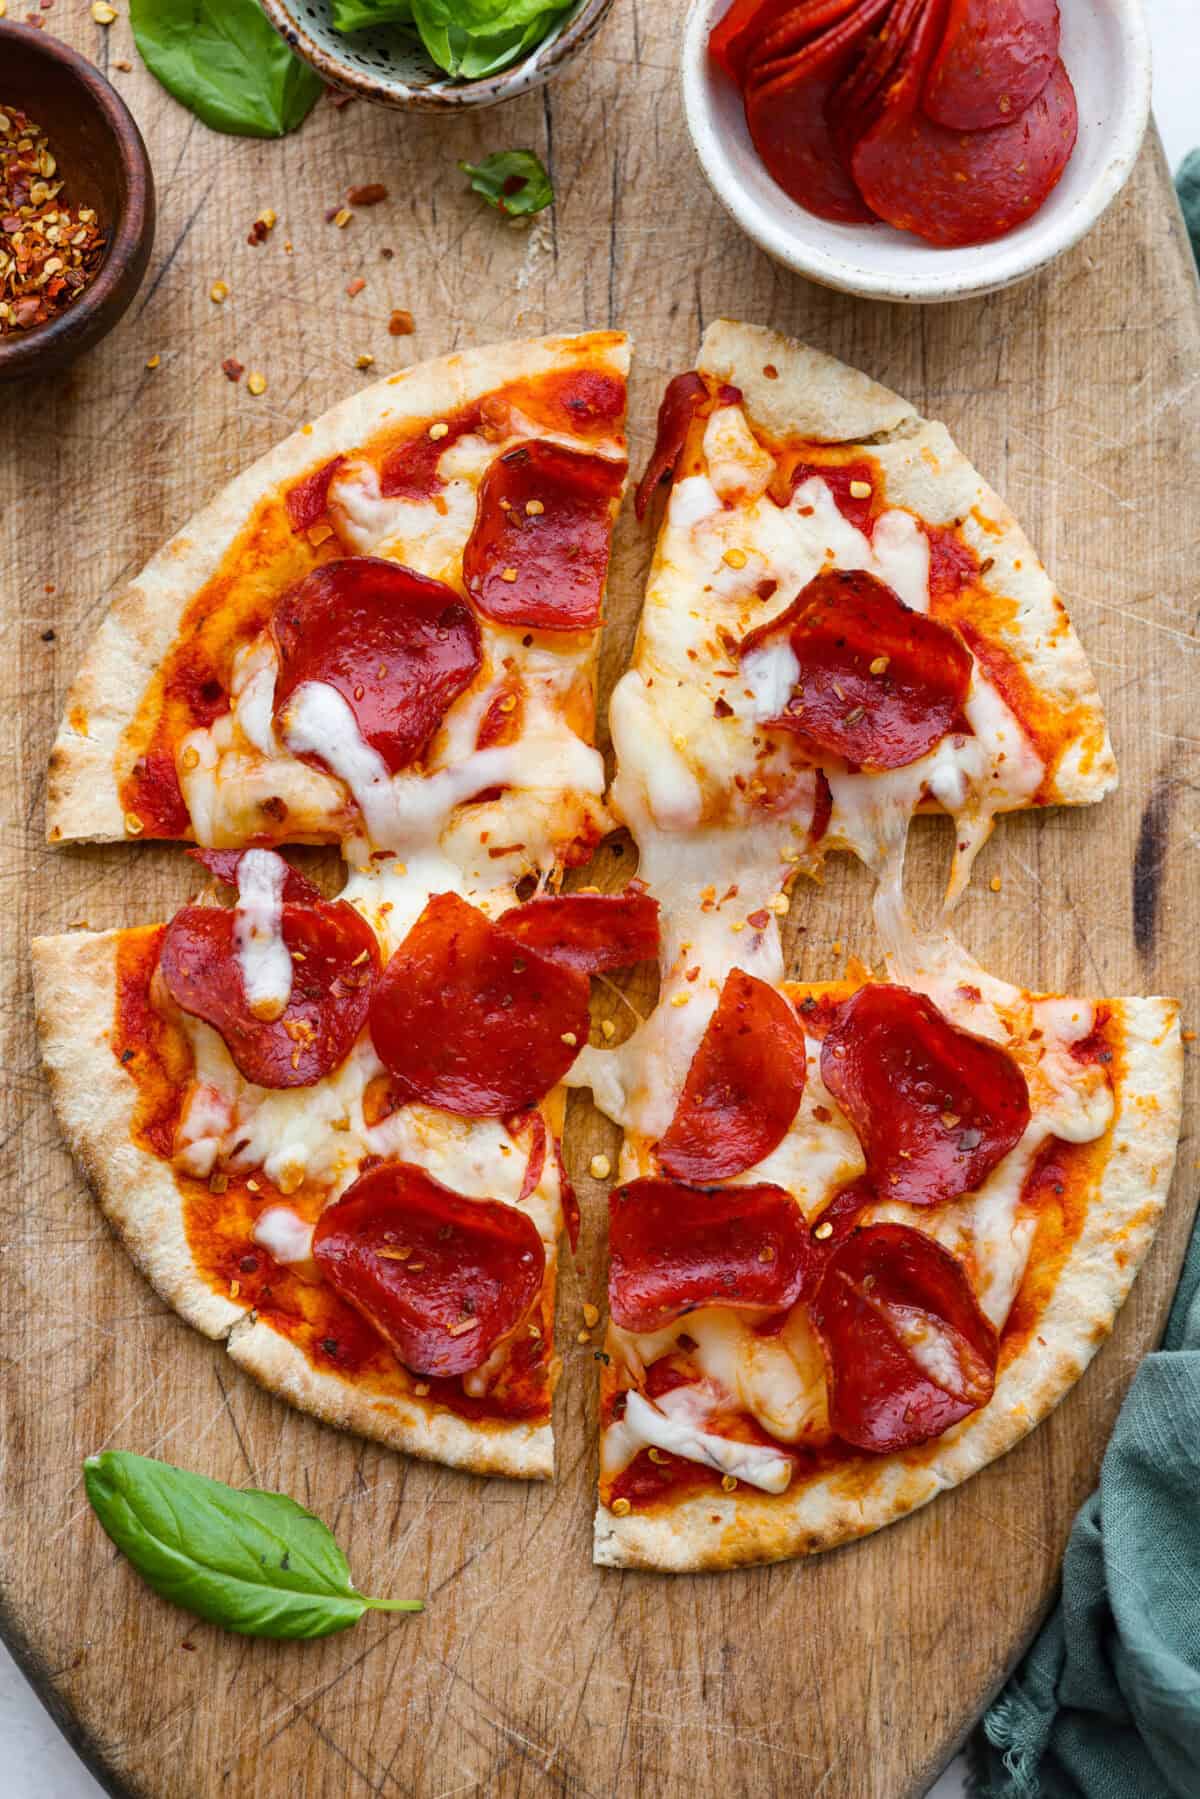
381 66
1106 48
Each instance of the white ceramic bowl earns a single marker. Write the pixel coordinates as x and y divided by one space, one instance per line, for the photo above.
1106 49
379 64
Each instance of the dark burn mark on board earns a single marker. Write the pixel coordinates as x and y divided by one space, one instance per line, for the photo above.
1149 864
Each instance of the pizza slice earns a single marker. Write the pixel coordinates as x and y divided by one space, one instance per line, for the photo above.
863 1245
394 611
843 625
328 1129
345 1164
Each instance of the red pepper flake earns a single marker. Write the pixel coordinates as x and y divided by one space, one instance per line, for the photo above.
369 194
233 369
48 251
356 286
401 323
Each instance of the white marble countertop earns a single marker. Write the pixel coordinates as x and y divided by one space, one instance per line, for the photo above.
38 1762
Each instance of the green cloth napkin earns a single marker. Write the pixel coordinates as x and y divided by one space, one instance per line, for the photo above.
1106 1705
1187 186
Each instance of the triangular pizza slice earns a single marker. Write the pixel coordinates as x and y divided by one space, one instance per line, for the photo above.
843 624
866 1235
430 556
328 1130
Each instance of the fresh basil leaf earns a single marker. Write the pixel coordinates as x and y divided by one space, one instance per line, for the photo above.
513 181
360 15
473 38
224 62
253 1562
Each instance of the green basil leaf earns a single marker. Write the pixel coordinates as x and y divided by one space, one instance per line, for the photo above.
360 15
253 1562
513 181
224 62
473 38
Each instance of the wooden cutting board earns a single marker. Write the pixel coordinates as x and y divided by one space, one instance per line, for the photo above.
533 1673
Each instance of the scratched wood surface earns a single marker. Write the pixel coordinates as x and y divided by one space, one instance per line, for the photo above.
533 1673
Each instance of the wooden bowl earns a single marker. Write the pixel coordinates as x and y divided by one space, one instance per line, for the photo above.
104 164
379 66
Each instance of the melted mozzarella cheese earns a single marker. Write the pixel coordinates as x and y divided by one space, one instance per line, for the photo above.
427 534
676 1424
262 954
283 1234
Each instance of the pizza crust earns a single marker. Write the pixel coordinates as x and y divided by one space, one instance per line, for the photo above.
809 395
83 798
717 1530
812 395
94 1101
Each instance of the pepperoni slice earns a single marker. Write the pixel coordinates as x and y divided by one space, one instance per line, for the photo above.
224 865
676 1247
993 62
734 35
398 648
787 115
443 1279
877 683
857 102
307 501
684 396
908 1353
470 1019
589 931
335 961
743 1088
935 1108
538 552
957 188
748 28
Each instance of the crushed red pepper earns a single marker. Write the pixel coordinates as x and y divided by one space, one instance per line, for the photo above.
48 251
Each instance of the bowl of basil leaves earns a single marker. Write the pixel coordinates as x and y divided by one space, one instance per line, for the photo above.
437 55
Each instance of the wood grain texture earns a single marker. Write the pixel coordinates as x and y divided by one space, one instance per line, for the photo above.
532 1673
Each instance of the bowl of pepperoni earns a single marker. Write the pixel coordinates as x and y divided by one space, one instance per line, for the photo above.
916 150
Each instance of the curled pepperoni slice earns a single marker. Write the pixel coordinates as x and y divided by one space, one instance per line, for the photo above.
335 960
907 1350
589 931
934 1107
676 1247
995 58
470 1019
538 552
956 188
684 396
743 1088
224 865
307 500
857 102
876 683
443 1279
734 35
397 647
787 113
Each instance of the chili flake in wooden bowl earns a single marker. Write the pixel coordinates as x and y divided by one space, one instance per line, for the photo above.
49 250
